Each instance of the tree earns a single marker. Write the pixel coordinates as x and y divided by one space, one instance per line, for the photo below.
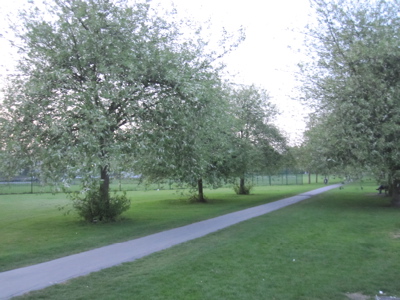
94 76
355 81
316 153
193 149
258 142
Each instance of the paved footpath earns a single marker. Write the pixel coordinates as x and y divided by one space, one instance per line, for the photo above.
20 281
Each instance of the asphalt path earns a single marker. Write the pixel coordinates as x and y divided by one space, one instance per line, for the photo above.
23 280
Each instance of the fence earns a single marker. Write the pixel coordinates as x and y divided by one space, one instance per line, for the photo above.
27 185
285 178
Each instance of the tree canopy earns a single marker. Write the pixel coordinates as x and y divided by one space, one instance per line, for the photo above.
98 81
193 149
354 81
258 143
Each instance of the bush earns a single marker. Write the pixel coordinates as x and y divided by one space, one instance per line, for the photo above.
245 190
92 207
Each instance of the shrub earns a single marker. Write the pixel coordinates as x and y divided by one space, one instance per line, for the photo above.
92 207
243 190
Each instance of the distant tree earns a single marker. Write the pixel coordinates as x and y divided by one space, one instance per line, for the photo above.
355 82
316 154
193 149
258 142
95 75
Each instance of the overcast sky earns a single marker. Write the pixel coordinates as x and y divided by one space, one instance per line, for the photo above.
267 58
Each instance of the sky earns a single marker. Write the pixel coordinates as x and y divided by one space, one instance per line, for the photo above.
271 51
267 58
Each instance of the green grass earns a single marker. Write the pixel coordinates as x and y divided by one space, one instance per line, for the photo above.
343 241
33 230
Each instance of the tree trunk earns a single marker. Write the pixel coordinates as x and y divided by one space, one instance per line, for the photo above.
396 193
241 186
316 177
390 184
309 177
105 189
200 190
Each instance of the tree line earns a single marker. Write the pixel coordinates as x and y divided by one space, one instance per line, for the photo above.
353 82
106 86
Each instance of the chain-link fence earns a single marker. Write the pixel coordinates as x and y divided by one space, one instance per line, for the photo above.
26 184
284 178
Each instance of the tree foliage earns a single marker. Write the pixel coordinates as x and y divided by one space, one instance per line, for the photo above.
315 154
258 143
192 150
354 81
99 81
230 137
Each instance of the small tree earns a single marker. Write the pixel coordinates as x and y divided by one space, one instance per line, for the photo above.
258 142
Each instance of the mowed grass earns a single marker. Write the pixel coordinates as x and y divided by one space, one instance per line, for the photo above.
33 230
342 241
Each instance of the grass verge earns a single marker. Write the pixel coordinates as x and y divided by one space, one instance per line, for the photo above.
343 241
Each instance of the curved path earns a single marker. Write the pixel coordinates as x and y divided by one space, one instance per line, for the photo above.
19 281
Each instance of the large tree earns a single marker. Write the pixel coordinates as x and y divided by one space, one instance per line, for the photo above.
94 76
355 81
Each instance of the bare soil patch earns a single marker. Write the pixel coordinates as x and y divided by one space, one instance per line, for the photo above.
396 235
357 296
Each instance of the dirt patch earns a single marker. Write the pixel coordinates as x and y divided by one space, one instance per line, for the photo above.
357 296
396 235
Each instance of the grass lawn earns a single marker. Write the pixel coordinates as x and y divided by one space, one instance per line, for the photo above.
33 230
343 241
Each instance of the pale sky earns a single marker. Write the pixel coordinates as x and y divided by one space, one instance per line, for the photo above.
267 58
